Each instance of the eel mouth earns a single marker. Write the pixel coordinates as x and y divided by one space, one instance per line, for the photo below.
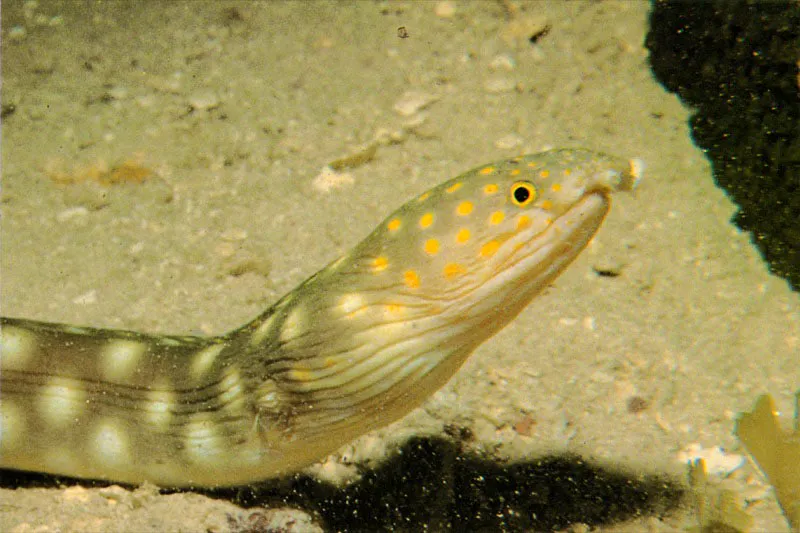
527 262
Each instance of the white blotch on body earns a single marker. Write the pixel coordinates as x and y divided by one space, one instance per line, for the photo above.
158 406
61 401
204 359
262 331
292 326
350 303
120 357
17 347
110 442
202 440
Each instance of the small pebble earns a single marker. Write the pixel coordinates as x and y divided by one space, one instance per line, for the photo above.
445 9
71 212
17 33
88 195
412 102
115 494
234 235
507 142
75 494
117 92
330 179
637 404
251 265
718 461
500 85
204 101
359 156
502 62
86 298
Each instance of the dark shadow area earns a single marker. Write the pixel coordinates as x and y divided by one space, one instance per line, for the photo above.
736 64
430 484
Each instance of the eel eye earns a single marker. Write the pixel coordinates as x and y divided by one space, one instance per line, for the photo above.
522 193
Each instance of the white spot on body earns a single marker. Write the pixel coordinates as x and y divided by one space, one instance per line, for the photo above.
292 326
17 347
120 357
350 303
204 359
202 440
230 387
110 442
158 407
61 401
262 331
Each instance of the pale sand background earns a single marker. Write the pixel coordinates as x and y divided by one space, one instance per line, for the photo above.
238 107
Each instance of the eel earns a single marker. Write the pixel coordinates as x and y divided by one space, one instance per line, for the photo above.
356 346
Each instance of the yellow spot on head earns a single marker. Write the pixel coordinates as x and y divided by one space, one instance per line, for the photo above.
489 249
380 264
453 269
485 171
462 236
490 188
567 172
464 208
524 221
533 164
544 173
556 187
424 196
496 218
546 204
411 279
426 220
431 246
393 224
454 187
515 172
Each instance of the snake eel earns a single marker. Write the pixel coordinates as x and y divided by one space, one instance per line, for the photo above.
357 345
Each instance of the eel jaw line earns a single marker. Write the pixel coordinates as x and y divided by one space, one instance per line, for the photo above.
526 263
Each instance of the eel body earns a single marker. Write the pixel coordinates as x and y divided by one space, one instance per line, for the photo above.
357 345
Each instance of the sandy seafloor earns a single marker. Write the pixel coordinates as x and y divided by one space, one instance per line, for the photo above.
236 108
